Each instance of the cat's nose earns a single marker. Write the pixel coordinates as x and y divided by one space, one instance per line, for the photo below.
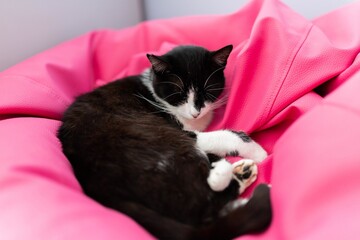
194 112
195 115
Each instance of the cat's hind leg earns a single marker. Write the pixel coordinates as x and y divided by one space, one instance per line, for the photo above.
245 173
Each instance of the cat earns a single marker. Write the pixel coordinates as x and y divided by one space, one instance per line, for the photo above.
136 145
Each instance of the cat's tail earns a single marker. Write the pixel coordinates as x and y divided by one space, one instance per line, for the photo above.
253 217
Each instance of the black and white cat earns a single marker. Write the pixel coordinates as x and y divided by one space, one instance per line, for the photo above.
136 146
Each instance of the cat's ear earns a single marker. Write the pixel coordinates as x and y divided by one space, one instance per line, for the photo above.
220 56
158 65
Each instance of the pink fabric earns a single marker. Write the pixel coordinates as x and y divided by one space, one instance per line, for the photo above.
293 83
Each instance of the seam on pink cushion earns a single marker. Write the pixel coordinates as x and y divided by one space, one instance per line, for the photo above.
51 91
287 69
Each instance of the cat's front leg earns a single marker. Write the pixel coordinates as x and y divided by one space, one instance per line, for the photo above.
230 143
220 175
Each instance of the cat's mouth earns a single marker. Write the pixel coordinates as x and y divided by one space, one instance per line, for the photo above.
194 120
193 114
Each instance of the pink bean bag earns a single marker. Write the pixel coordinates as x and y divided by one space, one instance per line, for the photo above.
293 84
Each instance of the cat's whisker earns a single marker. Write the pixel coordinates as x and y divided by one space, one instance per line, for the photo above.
221 68
223 99
211 85
211 96
158 112
171 95
215 89
157 105
220 102
174 84
173 74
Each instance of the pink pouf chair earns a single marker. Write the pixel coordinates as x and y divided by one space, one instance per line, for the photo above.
292 83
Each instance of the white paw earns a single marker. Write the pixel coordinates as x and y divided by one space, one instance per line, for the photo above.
220 176
245 173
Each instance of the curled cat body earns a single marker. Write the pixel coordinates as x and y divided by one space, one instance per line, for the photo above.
136 145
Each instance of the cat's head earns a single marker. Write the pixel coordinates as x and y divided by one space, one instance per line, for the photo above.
189 79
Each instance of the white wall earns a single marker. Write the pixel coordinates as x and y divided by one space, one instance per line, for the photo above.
30 26
155 9
167 8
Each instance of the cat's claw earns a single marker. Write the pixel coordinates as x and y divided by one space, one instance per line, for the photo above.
245 173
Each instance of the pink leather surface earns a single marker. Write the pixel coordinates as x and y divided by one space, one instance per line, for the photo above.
292 83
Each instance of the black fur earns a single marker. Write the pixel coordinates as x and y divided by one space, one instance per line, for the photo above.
243 136
130 156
